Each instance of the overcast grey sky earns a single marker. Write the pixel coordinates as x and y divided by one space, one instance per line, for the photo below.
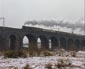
16 12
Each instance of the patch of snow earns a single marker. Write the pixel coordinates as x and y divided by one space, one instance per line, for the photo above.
40 62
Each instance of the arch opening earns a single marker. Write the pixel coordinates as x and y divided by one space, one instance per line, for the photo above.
83 45
71 45
12 42
44 42
77 43
54 43
25 42
39 43
63 43
30 41
50 45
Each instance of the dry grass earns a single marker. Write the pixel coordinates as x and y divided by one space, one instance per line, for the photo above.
27 67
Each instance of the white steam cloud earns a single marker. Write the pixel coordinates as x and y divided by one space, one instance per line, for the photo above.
77 27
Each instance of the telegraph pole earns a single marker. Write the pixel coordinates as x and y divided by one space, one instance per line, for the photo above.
84 17
2 18
84 22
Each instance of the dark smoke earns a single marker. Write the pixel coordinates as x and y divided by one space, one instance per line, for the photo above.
51 23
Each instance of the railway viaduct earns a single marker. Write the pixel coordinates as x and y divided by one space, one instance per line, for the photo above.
12 38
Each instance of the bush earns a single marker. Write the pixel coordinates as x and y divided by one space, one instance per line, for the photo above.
14 54
47 53
27 67
63 63
39 51
73 53
31 54
48 66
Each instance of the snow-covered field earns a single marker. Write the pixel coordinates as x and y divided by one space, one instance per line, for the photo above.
40 62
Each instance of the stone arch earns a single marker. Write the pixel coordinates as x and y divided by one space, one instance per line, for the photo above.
32 41
71 45
44 42
39 43
12 42
83 45
77 43
54 43
25 42
63 43
50 44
